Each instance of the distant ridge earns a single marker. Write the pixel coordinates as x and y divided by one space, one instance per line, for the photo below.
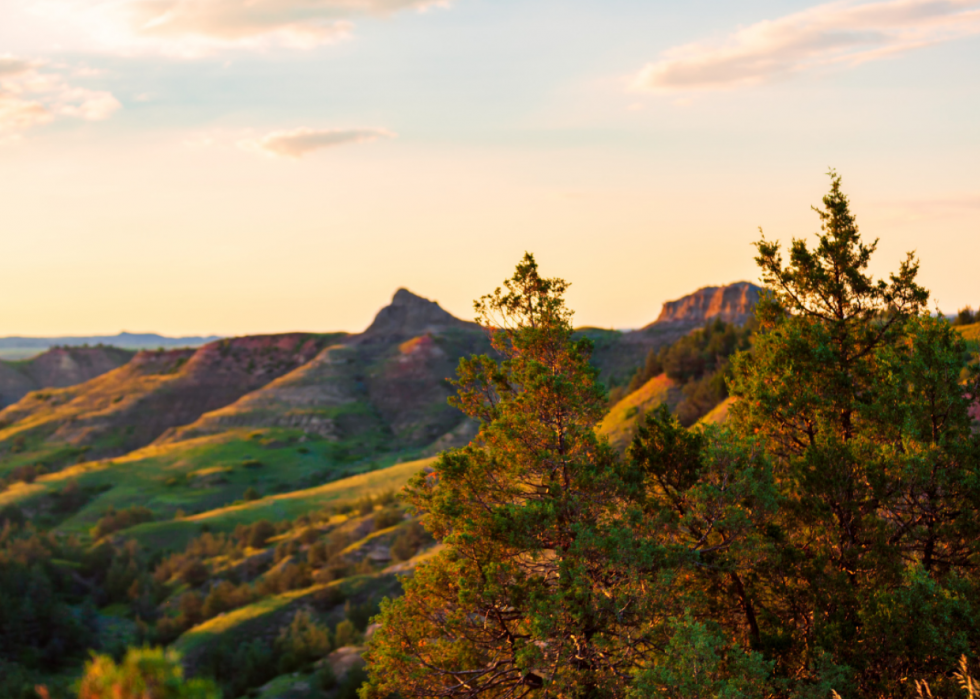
57 368
124 340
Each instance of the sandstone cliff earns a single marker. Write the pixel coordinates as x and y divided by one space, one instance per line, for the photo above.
733 304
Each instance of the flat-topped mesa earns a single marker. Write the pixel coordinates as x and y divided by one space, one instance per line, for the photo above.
734 303
409 316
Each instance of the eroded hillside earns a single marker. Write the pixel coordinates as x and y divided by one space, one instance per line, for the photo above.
131 406
58 367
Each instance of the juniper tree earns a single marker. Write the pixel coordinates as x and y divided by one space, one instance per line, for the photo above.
536 586
854 389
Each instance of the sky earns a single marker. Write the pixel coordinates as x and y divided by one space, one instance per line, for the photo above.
232 166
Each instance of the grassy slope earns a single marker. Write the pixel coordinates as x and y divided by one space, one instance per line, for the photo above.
718 414
620 424
971 333
195 476
174 534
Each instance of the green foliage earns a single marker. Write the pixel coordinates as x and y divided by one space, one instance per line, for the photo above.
113 521
346 634
966 316
409 540
699 662
238 667
356 677
260 533
38 626
855 393
536 584
148 673
302 642
699 364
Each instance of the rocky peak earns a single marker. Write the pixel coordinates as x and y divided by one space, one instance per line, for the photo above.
409 316
733 304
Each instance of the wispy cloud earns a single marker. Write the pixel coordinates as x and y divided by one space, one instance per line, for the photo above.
31 95
196 27
299 142
843 32
910 210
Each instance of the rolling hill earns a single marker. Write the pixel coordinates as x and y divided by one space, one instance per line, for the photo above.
193 430
131 406
58 367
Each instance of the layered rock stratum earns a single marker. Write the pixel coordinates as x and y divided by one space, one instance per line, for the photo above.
733 303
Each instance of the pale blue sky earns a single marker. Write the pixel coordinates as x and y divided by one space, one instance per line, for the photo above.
182 182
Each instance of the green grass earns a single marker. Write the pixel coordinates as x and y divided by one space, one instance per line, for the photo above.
199 475
175 534
719 414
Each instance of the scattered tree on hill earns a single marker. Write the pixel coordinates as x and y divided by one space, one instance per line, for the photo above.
699 363
39 629
302 641
113 521
260 533
966 316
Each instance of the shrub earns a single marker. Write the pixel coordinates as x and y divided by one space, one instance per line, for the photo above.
364 506
302 641
325 677
191 609
194 573
316 556
966 316
360 614
152 673
224 597
113 521
409 540
260 533
352 683
388 517
251 494
346 634
309 535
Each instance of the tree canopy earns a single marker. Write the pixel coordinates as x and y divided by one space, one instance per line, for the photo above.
824 540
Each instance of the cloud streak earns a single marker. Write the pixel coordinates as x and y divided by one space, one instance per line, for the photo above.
31 96
302 141
835 33
196 27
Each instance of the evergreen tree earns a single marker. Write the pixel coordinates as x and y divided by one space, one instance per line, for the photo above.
854 390
536 587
